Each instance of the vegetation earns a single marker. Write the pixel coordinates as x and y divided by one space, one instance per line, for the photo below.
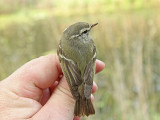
127 40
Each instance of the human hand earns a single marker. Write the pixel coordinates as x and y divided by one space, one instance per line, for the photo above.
36 91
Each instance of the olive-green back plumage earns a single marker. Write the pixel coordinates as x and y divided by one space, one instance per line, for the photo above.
77 54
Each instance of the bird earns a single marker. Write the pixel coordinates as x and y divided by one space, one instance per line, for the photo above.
77 56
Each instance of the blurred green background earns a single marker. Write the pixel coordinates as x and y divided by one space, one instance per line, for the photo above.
127 40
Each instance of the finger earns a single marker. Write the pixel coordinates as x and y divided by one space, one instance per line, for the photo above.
46 95
53 86
36 75
76 118
92 97
94 87
99 65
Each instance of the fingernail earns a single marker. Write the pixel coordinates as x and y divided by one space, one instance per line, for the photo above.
76 118
100 62
92 98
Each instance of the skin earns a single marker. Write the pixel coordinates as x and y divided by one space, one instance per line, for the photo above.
21 93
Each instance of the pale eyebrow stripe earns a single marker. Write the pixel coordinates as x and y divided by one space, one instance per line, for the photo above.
73 36
84 29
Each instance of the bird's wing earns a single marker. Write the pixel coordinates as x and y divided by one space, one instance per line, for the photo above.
89 75
71 72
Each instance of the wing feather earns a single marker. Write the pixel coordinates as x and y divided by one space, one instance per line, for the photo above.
89 75
71 72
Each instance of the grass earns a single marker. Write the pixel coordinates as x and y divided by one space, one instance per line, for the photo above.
127 40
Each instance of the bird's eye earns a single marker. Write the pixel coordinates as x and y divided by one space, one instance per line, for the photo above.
85 31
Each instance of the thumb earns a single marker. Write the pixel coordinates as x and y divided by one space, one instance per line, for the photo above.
20 92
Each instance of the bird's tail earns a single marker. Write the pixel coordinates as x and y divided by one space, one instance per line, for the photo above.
83 107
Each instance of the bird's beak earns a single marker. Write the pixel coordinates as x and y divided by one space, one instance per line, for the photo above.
94 25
